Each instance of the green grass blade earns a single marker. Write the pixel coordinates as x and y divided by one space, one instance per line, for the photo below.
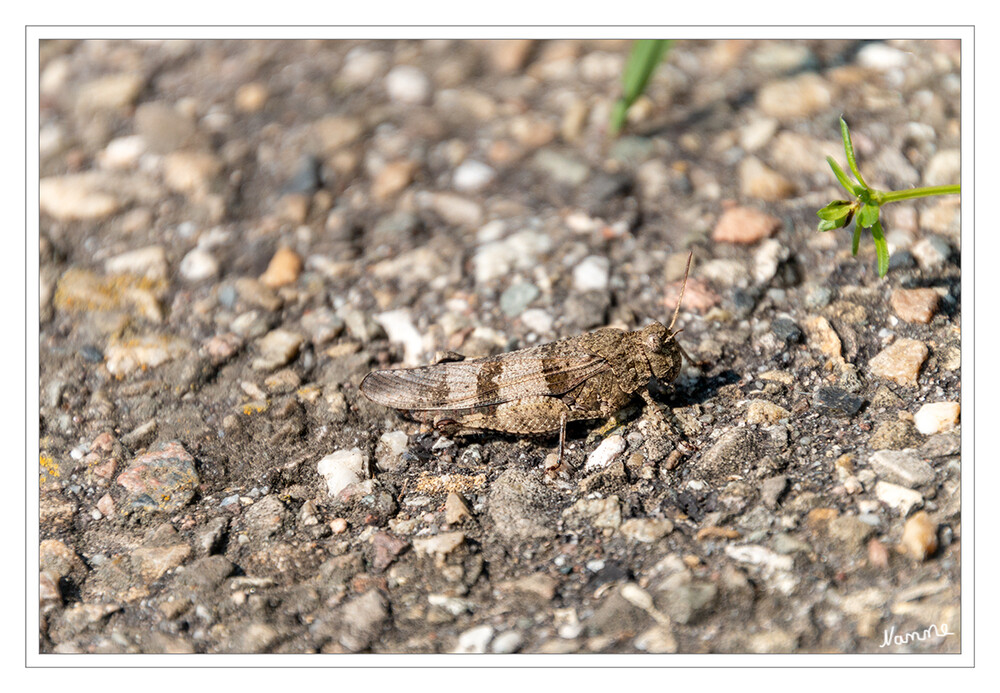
857 240
849 150
642 61
842 177
881 249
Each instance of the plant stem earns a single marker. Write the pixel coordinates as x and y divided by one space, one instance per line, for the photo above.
897 195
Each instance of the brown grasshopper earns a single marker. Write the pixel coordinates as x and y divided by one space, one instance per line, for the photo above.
538 389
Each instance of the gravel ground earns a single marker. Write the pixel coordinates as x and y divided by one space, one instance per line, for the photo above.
234 233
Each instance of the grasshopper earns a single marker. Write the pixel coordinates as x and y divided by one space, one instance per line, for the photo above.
539 389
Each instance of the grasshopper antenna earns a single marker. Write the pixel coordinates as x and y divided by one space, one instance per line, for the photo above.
677 308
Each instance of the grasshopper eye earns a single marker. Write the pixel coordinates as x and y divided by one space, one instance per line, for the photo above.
654 341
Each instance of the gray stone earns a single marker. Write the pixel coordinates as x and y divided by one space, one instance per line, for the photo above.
902 467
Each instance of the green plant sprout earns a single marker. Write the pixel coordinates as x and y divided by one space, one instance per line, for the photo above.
867 203
642 61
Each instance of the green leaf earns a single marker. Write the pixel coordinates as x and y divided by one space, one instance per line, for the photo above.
881 249
849 150
642 61
868 216
842 177
857 240
838 209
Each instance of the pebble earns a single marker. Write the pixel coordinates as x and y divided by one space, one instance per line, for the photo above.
362 67
473 176
399 327
110 92
76 197
758 555
563 169
592 274
256 294
919 539
915 305
499 258
251 97
605 453
759 182
658 640
198 265
757 133
795 98
898 497
760 411
902 467
335 132
393 178
879 56
787 330
439 545
265 517
744 225
474 641
767 258
122 152
389 450
772 489
149 262
190 171
455 509
409 85
937 417
125 356
343 468
603 513
823 338
277 348
507 642
944 168
162 479
386 547
900 362
646 530
537 320
837 401
454 209
931 252
283 269
517 297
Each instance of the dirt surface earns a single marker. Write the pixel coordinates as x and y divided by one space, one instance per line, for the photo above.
234 233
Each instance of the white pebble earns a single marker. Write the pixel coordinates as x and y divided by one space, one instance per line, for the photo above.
474 640
407 84
882 57
399 327
199 264
537 320
592 274
937 417
899 497
472 176
343 468
149 262
606 452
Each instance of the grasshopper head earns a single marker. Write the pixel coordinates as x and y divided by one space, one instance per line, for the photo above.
661 351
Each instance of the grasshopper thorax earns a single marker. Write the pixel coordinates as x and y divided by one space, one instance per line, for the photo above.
659 347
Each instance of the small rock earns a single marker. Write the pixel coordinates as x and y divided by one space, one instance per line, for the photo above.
646 530
837 401
110 91
915 305
931 252
277 348
474 640
761 411
767 258
658 640
515 299
537 320
454 209
162 479
439 545
758 555
944 168
521 250
602 513
605 453
343 468
386 547
408 84
762 183
389 450
199 265
787 330
256 294
473 176
898 497
322 325
75 197
744 225
772 489
900 362
919 537
507 642
563 169
937 417
334 132
398 325
518 504
592 274
148 351
902 467
455 509
190 171
508 56
795 98
882 57
150 262
251 97
283 269
823 338
393 178
757 133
